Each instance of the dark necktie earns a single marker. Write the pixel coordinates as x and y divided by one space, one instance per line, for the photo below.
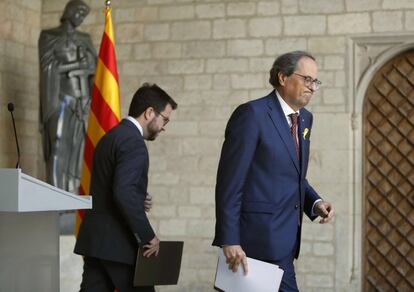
294 131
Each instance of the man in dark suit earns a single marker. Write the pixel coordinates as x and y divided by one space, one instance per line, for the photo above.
117 225
261 190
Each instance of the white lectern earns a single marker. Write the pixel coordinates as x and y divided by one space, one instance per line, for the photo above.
29 231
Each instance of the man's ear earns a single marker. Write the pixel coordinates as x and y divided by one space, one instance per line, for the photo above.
149 113
282 78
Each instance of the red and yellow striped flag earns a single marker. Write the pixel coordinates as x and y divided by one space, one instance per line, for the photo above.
105 110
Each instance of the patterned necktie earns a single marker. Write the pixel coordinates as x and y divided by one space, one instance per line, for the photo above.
294 131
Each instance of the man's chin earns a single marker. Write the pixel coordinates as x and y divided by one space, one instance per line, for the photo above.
305 100
152 137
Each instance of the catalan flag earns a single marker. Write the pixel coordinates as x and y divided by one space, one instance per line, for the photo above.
105 109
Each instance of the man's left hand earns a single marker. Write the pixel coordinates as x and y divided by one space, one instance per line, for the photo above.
148 202
325 210
152 247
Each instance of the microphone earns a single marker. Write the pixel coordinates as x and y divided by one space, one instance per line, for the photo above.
10 107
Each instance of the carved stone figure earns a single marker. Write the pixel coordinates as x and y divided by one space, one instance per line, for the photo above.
67 67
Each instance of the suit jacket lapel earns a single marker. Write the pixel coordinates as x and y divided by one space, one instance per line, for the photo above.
279 121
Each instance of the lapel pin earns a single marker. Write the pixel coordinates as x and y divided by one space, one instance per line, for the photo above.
305 132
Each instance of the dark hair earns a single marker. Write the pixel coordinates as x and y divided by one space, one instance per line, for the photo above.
150 95
286 64
71 7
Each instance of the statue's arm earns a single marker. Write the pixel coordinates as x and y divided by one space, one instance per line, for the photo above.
67 67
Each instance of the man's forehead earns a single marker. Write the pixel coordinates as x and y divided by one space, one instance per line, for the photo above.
306 64
168 108
306 61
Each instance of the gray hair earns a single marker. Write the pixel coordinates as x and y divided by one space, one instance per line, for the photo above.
286 64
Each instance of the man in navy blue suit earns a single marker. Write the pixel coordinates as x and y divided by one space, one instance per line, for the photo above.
261 190
117 225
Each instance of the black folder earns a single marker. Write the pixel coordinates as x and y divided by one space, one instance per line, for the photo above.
162 269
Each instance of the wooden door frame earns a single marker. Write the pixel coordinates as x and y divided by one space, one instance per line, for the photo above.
367 54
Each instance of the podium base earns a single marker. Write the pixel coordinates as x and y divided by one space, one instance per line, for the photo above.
29 251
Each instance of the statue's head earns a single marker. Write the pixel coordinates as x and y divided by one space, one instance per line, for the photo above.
75 12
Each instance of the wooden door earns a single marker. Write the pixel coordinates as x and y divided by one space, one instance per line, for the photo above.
389 178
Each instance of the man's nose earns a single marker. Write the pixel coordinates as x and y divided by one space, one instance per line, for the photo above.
312 87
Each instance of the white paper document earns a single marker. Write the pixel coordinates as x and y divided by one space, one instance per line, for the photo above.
262 276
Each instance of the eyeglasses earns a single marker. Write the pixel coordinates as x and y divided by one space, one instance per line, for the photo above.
165 119
309 82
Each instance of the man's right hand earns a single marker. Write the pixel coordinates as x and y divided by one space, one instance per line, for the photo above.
152 247
235 256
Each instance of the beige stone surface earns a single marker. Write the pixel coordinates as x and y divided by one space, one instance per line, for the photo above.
304 25
357 5
176 12
275 47
204 49
387 21
19 30
289 6
229 28
321 6
245 47
265 27
409 20
193 30
327 45
349 23
397 4
156 32
267 8
210 10
241 8
167 50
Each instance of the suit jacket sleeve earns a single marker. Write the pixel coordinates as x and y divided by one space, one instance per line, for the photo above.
131 162
310 197
241 138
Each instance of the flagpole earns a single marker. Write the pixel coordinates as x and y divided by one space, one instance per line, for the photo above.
108 3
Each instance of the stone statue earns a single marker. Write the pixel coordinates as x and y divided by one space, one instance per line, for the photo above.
67 67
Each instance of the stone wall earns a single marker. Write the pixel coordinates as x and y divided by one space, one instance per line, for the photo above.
212 55
19 30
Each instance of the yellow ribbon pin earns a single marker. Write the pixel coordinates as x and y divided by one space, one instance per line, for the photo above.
305 132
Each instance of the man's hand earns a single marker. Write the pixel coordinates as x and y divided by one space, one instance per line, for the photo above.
148 202
234 257
152 247
325 210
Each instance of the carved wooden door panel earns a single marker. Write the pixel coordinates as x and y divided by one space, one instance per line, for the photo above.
389 177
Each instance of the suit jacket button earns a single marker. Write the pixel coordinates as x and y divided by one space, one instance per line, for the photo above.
296 206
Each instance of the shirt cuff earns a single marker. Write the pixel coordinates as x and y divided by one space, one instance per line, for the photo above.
313 206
